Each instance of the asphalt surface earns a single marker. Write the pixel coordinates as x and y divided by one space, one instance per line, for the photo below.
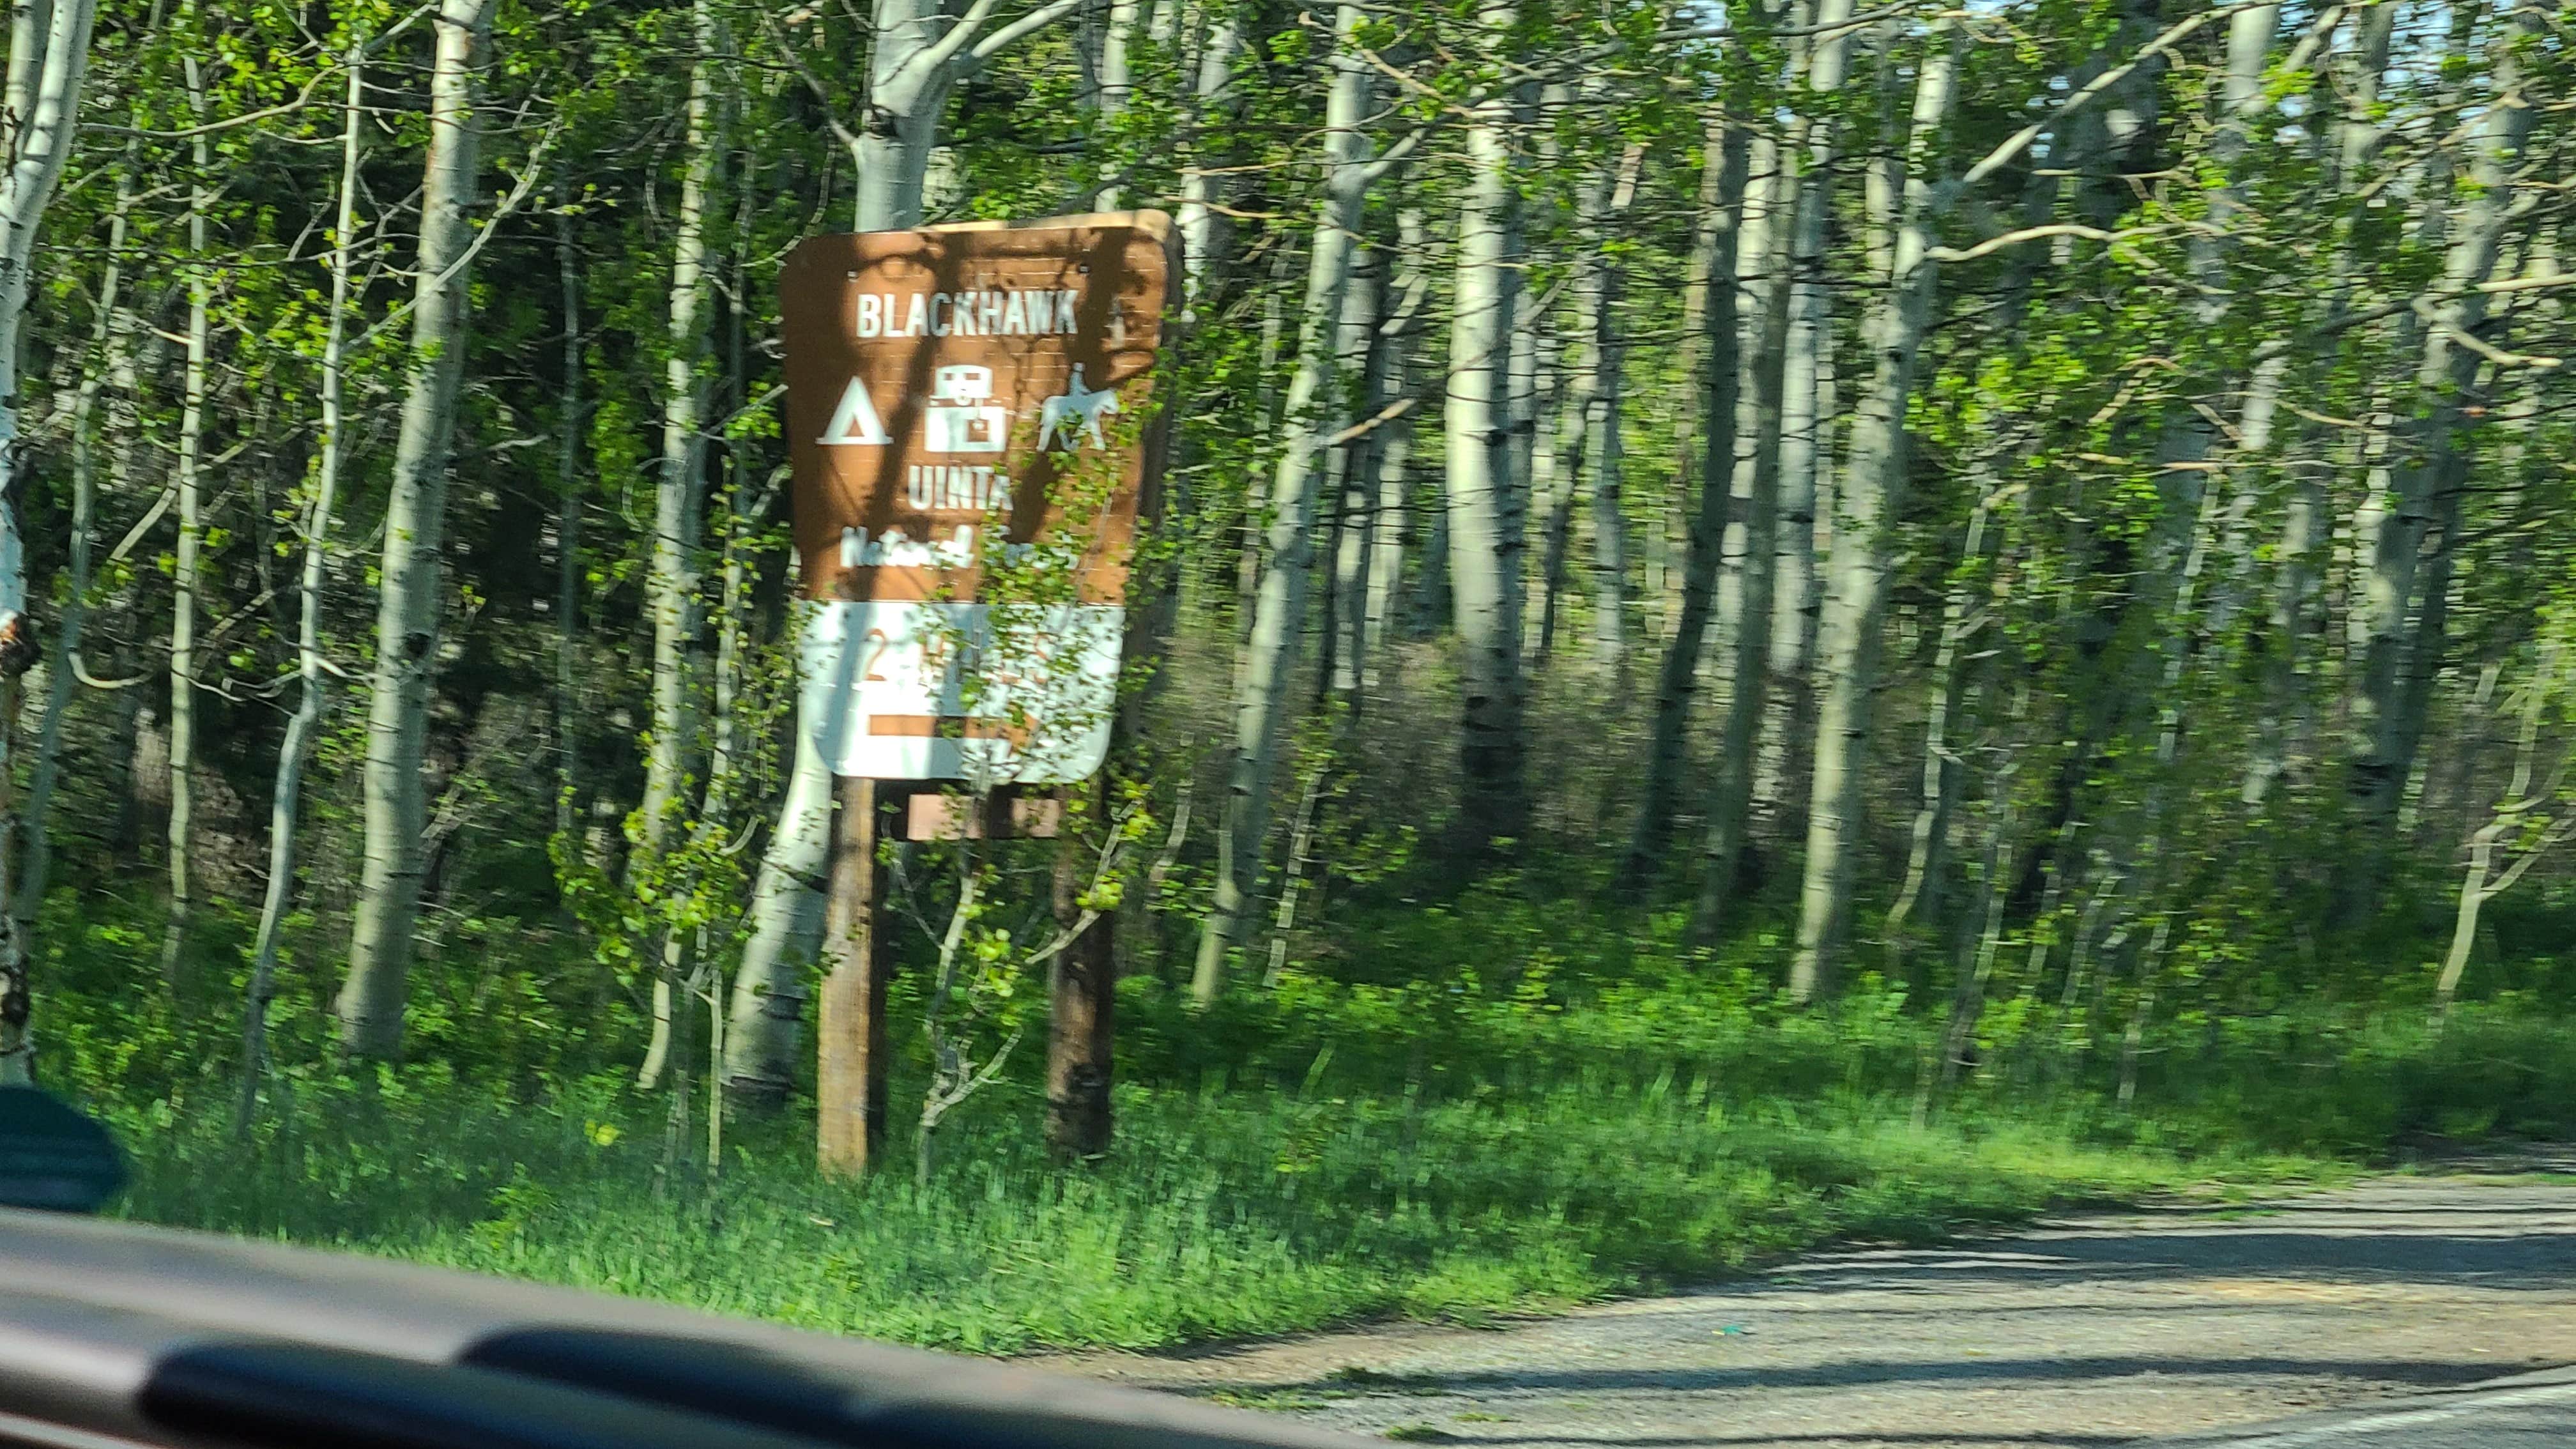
2083 1331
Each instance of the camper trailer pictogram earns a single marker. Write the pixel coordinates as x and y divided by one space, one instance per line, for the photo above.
960 417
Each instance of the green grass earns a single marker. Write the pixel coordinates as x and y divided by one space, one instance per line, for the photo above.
1464 1144
1223 1214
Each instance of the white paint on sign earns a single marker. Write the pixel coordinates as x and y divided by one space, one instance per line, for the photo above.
1075 407
854 420
978 313
957 487
960 418
886 688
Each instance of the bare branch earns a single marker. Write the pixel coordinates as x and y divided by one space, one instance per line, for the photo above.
1011 34
282 108
509 205
2026 234
2013 145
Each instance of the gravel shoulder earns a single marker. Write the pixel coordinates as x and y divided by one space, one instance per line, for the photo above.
2083 1330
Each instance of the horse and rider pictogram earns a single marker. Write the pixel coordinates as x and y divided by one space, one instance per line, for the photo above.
1078 405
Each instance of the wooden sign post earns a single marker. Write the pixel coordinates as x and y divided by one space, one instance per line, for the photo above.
964 402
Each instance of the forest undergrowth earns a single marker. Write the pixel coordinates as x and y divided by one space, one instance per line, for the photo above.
1503 1131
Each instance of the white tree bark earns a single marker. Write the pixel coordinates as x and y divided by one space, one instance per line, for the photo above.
2296 621
370 1004
63 668
1393 458
189 483
786 913
1198 219
2189 439
1362 361
1725 225
568 507
1262 701
1803 523
1117 86
2388 713
2483 883
1603 447
1485 508
287 795
1556 470
1745 592
920 54
1959 623
672 587
48 59
1868 499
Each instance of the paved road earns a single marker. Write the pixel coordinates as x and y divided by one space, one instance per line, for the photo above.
2083 1331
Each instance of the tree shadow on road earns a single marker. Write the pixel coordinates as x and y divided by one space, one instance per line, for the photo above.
1855 1373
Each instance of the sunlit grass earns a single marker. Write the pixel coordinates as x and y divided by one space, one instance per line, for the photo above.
1462 1143
1222 1215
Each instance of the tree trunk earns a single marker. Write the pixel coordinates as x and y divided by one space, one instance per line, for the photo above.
1082 1001
1603 447
1804 521
189 482
287 794
62 676
1263 700
1117 85
2398 662
1199 219
1726 225
1977 964
671 589
1392 459
1484 505
1940 766
786 914
1868 501
2190 438
568 508
2513 809
48 57
370 1005
1556 468
2297 618
1746 592
1355 551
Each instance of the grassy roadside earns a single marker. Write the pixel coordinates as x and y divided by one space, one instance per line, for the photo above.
1225 1214
1222 1218
1457 1144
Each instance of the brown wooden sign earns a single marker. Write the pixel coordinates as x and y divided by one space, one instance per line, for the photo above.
951 392
943 379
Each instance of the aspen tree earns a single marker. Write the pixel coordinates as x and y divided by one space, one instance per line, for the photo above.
1729 225
286 795
370 1005
1848 646
1485 508
1313 415
39 115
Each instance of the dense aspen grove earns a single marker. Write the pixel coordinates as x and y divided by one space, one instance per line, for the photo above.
2060 508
